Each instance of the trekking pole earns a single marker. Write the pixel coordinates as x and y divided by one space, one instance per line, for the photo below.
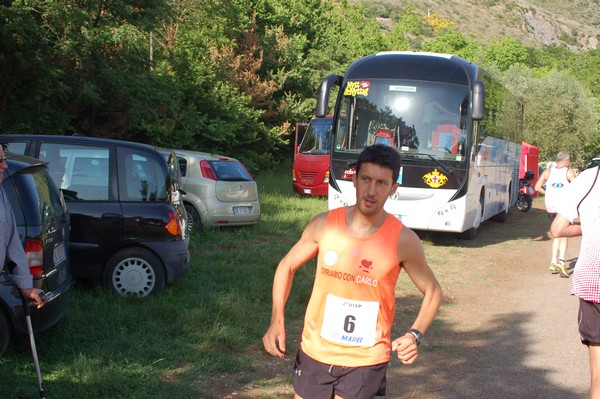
33 347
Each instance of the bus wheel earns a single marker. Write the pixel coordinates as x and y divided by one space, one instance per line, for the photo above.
472 232
503 216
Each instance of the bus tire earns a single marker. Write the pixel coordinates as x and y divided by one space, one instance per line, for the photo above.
503 216
471 233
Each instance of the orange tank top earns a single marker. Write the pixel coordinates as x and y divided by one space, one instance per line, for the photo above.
351 309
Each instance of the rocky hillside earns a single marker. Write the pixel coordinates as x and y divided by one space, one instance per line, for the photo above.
572 23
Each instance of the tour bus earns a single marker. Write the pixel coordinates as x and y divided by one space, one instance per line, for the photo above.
310 175
458 131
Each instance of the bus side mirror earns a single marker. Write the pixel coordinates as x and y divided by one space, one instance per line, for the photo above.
323 95
478 106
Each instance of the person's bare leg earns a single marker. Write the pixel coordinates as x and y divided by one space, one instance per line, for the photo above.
555 249
594 350
562 248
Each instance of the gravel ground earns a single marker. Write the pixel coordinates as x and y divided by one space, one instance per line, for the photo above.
507 328
512 334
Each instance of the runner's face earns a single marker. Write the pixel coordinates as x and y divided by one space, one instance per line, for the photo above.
374 184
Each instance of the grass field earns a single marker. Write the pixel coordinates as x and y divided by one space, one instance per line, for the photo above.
204 323
207 326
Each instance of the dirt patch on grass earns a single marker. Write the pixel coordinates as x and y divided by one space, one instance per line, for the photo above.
507 328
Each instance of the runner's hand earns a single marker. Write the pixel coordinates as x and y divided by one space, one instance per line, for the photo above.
406 348
274 340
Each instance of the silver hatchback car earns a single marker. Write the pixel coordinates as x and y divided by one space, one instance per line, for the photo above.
219 190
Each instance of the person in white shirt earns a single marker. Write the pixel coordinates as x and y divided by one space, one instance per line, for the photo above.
582 200
552 184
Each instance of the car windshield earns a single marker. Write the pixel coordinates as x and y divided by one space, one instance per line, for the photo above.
418 118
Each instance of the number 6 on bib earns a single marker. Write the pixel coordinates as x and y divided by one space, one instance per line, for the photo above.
350 322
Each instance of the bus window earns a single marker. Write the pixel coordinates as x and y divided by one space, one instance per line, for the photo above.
317 139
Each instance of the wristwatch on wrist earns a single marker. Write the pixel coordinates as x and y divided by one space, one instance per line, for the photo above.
417 334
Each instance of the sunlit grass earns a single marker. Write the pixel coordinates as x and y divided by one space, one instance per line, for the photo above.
204 323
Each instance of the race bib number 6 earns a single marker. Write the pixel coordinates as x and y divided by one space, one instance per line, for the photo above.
350 322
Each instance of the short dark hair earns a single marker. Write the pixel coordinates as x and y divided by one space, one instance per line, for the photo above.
381 155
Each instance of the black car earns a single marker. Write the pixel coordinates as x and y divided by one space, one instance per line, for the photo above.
128 222
43 226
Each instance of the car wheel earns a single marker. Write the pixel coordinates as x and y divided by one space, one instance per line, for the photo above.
134 271
193 218
4 332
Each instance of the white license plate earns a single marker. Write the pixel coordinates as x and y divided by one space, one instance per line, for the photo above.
307 191
242 210
58 255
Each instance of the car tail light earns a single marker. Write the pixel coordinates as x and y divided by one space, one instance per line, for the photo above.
174 224
34 250
207 170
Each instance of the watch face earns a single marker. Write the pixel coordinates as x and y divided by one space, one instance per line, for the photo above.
418 336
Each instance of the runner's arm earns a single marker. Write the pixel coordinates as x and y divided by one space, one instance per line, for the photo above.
305 249
412 256
541 181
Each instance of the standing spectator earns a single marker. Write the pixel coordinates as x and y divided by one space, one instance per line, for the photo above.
11 249
361 249
583 200
552 183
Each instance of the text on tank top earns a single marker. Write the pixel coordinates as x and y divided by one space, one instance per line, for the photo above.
351 310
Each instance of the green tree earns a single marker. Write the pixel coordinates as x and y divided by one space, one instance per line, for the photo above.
506 52
87 67
454 42
409 26
28 80
559 113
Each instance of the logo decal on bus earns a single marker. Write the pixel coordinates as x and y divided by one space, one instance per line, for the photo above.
435 179
354 89
348 173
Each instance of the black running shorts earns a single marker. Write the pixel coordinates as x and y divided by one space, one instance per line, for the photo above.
589 322
316 380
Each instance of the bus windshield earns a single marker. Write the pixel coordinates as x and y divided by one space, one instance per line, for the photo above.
418 118
317 139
